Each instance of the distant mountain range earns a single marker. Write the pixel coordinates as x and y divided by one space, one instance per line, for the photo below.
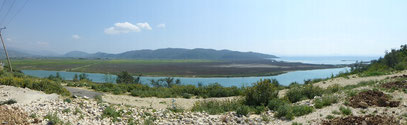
175 53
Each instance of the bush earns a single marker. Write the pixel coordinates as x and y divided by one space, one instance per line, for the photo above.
44 85
332 89
98 99
68 100
242 110
300 110
8 102
345 111
325 101
260 93
259 109
285 111
274 104
186 95
216 107
304 92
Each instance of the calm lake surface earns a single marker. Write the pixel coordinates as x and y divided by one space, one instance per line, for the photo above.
284 79
328 60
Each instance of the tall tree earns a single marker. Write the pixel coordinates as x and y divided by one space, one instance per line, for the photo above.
124 77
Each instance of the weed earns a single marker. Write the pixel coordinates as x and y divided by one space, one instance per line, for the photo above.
345 111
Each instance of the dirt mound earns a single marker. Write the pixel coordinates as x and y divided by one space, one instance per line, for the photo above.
395 85
362 120
401 76
370 98
12 116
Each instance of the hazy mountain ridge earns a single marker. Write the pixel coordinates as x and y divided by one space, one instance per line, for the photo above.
175 53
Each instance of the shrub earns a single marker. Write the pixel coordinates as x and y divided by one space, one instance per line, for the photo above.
332 89
325 101
285 111
124 77
176 108
186 95
260 93
275 103
242 110
304 92
296 123
98 98
345 111
8 102
215 106
300 110
259 109
44 85
329 117
68 100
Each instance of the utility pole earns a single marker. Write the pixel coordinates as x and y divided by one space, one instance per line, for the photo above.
5 50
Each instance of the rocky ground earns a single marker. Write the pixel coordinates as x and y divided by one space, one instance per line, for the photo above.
33 107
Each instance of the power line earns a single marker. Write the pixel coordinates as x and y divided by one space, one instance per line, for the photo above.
18 11
7 12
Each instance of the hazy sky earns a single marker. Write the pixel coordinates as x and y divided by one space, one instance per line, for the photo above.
283 27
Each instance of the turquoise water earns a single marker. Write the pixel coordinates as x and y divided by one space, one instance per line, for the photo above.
284 79
328 60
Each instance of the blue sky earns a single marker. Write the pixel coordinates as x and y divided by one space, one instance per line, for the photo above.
280 27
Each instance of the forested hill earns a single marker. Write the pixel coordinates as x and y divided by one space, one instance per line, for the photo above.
175 53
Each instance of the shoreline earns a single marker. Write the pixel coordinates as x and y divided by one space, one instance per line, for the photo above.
193 76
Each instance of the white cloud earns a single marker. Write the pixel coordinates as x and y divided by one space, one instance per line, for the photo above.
144 25
9 39
119 28
162 25
75 36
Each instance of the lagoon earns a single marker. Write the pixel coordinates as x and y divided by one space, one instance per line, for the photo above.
284 79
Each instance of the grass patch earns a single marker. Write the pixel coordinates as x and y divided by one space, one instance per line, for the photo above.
303 92
44 85
345 110
325 101
216 107
53 119
112 113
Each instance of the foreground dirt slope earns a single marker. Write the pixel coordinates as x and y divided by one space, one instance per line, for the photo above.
33 107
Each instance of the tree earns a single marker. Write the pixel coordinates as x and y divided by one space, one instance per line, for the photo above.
75 78
124 77
261 92
83 76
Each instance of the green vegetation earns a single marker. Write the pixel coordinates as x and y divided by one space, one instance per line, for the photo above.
299 93
261 92
217 107
172 68
345 111
125 77
45 85
53 119
325 101
394 60
164 91
112 113
8 102
68 100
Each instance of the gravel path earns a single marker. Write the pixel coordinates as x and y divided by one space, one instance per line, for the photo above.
81 92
